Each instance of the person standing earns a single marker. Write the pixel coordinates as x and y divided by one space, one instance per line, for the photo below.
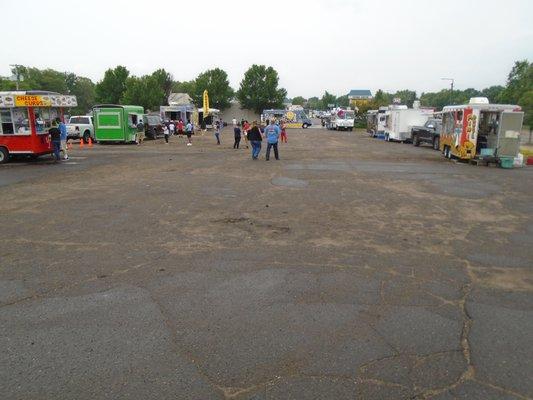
237 132
189 129
171 128
255 138
217 132
55 138
283 135
140 131
245 129
64 136
166 132
272 133
234 121
180 127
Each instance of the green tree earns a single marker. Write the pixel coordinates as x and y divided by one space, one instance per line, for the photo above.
259 89
343 101
313 103
217 84
406 96
382 99
111 89
144 91
164 81
519 81
493 93
84 90
46 79
327 99
184 87
298 101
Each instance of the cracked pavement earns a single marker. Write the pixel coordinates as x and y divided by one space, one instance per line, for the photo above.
350 269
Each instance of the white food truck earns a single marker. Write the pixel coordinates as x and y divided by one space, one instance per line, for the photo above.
341 120
400 119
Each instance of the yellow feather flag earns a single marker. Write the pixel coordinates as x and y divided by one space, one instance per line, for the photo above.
206 103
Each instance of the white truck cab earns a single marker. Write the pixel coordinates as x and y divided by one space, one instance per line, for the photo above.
81 127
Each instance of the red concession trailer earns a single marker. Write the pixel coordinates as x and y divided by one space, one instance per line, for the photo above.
26 117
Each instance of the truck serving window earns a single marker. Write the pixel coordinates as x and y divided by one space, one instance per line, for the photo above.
6 123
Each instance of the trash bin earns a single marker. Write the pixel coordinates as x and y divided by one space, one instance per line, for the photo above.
506 162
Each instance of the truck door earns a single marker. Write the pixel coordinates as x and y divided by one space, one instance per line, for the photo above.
509 133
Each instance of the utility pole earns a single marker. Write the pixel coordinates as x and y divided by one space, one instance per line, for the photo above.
17 74
451 87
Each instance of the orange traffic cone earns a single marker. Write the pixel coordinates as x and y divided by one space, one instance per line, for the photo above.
90 142
81 143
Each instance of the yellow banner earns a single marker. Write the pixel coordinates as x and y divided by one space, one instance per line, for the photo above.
32 101
206 103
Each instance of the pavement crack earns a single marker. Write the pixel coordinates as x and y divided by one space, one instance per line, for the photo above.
177 348
469 372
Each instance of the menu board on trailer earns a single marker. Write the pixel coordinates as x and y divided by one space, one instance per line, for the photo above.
38 101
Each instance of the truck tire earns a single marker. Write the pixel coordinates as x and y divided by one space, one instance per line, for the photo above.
436 143
4 155
86 136
416 142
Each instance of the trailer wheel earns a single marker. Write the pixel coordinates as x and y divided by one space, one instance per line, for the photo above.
4 155
305 126
436 143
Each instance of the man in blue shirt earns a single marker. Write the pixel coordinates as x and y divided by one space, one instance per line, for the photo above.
63 129
272 132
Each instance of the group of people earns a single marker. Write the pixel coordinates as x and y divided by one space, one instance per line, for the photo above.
173 128
58 137
273 132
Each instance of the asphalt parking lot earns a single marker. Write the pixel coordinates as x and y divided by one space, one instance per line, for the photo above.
350 269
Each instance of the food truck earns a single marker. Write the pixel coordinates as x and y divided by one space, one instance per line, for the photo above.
25 117
340 119
481 130
296 118
372 122
209 121
401 119
116 123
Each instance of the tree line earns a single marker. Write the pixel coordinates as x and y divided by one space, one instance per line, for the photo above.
258 90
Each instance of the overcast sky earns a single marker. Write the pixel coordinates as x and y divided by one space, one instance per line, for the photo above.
333 45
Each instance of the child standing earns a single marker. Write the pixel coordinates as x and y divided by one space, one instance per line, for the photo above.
283 135
166 132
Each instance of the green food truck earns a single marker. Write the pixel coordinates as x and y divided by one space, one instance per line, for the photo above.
116 123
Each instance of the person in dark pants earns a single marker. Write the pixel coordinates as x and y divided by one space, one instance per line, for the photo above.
255 138
272 133
217 132
55 137
237 132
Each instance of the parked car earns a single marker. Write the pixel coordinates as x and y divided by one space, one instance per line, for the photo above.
429 133
80 127
153 125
